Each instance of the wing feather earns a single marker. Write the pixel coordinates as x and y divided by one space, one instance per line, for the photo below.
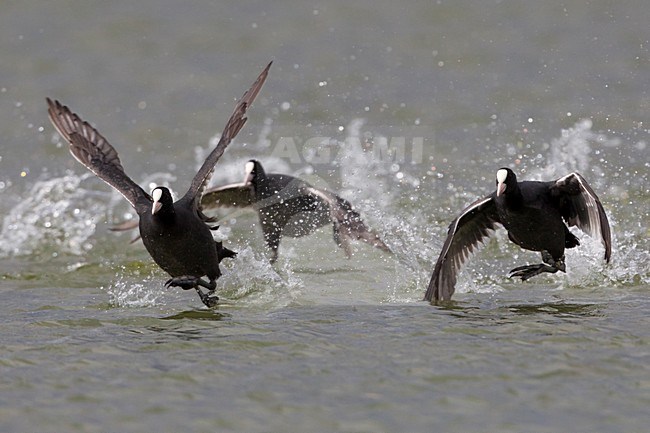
466 232
232 128
581 207
91 149
347 222
232 195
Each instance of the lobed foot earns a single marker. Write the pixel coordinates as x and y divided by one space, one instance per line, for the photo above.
209 299
529 271
549 260
185 282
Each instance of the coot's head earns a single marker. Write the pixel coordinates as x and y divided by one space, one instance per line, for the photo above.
162 200
506 181
254 172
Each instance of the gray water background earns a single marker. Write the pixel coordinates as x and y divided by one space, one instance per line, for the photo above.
91 342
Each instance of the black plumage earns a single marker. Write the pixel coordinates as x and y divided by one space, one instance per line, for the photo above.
535 214
176 234
289 206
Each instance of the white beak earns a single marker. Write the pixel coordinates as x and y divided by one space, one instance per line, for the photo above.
250 166
501 178
501 187
156 195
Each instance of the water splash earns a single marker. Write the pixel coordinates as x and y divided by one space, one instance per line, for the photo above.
249 279
630 263
375 185
253 280
57 215
60 215
123 292
364 176
572 151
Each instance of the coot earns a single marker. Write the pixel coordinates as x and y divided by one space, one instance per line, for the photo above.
288 206
535 214
176 234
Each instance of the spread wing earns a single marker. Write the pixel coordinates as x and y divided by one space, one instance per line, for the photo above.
580 207
346 221
232 195
91 149
232 128
466 232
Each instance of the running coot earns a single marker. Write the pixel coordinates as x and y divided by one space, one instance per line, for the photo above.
535 214
176 234
288 206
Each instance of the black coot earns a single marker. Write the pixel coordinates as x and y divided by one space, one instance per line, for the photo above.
176 234
288 206
535 214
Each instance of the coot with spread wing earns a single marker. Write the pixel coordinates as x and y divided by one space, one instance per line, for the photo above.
535 214
176 234
289 206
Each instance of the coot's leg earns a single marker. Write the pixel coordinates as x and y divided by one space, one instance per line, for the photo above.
273 243
209 299
272 234
550 265
185 282
223 252
210 286
342 239
559 263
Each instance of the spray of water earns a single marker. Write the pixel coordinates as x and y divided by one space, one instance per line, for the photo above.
57 215
145 292
252 280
